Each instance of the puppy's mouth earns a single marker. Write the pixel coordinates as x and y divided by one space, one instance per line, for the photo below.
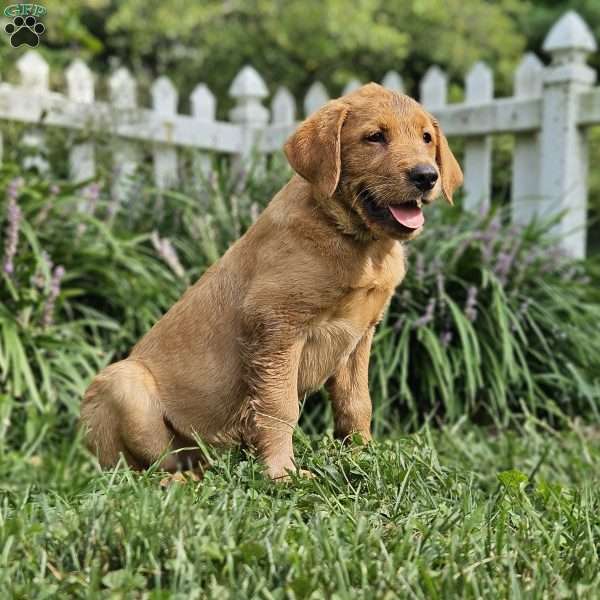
406 217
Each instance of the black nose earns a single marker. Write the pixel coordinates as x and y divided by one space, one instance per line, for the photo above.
423 176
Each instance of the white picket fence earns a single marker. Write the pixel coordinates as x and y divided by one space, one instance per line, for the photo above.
551 108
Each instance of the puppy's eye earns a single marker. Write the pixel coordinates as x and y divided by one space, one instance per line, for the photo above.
427 137
378 137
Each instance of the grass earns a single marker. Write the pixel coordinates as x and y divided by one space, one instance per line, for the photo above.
474 335
452 512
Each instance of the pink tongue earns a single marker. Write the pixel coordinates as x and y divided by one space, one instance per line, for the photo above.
409 216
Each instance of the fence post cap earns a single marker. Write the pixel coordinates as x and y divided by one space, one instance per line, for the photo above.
248 84
570 32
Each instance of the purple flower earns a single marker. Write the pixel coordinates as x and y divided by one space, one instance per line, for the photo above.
39 279
41 217
48 311
91 194
399 323
14 187
427 316
14 217
471 304
167 252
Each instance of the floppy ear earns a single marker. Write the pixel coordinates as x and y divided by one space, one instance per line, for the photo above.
450 171
313 149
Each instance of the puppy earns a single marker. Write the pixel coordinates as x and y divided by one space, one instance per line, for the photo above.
292 305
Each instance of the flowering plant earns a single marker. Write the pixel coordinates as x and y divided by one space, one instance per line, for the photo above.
491 319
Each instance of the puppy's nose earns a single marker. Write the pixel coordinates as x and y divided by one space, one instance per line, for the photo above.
423 176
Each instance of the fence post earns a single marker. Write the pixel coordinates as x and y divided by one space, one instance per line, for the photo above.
563 174
123 96
525 190
248 89
80 88
478 150
34 72
164 103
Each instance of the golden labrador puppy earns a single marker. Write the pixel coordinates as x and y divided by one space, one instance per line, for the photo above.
292 305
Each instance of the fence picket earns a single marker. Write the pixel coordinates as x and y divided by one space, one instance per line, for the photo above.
283 107
80 87
525 190
316 97
123 97
393 81
478 150
204 108
434 88
34 73
351 86
164 103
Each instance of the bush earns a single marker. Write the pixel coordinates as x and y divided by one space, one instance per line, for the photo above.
490 320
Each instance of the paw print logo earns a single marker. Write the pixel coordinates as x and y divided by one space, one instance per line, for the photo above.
25 31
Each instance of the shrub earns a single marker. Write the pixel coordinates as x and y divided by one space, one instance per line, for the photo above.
490 320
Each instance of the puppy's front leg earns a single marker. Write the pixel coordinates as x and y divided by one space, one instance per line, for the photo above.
271 363
349 391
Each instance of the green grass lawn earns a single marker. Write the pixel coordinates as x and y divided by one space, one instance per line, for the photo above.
456 512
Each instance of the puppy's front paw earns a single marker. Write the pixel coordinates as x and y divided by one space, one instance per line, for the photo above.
285 475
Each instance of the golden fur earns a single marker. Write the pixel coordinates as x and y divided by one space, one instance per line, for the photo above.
291 306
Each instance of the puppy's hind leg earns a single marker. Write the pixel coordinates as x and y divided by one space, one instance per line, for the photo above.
121 414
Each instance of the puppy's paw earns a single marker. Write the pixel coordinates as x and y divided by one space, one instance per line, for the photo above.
287 475
179 478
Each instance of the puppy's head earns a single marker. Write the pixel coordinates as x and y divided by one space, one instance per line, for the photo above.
380 155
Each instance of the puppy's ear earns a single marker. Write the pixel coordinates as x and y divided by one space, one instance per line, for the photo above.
450 171
314 150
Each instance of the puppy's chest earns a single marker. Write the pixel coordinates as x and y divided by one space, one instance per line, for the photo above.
331 339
